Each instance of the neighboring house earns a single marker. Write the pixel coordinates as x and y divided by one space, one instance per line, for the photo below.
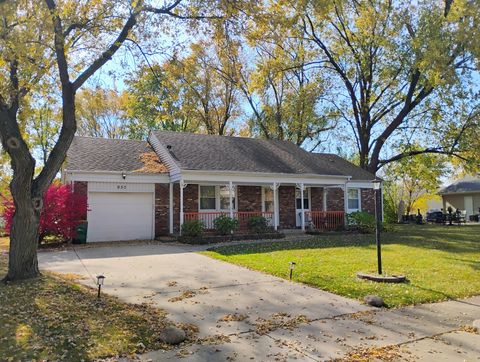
139 190
463 194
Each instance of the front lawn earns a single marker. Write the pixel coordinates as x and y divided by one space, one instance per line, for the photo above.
441 262
53 318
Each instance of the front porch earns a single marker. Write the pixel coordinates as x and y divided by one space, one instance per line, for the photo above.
323 208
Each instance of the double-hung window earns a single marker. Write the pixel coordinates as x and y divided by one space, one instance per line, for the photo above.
353 200
207 198
215 198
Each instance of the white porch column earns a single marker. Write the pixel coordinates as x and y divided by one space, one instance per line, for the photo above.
324 198
275 206
302 209
230 190
170 208
302 189
345 201
182 186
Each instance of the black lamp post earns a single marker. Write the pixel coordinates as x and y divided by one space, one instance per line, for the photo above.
292 265
100 280
377 187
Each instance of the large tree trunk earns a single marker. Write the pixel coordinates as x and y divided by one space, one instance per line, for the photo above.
22 263
28 203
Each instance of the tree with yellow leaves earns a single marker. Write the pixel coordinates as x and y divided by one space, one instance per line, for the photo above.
68 41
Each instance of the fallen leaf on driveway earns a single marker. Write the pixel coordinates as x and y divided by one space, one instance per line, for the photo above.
384 354
279 320
186 294
233 318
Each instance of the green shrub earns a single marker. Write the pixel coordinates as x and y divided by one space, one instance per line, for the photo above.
193 228
225 225
361 221
258 224
364 222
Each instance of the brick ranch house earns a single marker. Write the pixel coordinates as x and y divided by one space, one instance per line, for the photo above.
145 189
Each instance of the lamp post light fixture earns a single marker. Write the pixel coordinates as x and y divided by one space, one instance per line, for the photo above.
377 187
100 281
292 265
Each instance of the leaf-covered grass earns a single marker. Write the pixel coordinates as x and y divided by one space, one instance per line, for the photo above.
55 319
440 262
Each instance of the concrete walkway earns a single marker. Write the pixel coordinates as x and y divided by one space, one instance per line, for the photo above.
261 317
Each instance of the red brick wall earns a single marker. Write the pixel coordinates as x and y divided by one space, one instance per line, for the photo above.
161 209
335 199
190 202
316 195
368 200
249 198
286 201
81 188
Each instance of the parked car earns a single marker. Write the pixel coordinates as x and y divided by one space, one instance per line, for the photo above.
436 217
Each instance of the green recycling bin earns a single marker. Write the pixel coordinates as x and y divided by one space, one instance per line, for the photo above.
81 237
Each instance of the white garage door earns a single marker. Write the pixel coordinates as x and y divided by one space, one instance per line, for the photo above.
119 216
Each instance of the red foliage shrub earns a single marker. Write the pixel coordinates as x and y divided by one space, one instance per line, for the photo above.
62 211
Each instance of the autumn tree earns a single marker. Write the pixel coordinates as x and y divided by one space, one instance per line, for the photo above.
392 66
191 92
99 112
42 125
70 41
150 105
282 89
410 178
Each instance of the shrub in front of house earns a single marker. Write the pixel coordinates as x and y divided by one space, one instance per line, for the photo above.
361 221
258 224
62 211
193 228
225 225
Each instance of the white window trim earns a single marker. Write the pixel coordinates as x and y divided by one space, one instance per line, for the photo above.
359 192
217 199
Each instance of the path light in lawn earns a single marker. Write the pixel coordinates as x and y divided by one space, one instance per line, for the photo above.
292 265
100 281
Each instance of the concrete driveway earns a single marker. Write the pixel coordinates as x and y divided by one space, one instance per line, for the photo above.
195 289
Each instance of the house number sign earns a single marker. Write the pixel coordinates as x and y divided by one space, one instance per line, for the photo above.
121 187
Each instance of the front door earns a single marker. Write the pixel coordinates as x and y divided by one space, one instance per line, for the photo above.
298 203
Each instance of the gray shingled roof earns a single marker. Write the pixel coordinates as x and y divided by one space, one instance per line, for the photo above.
222 153
346 167
101 154
464 185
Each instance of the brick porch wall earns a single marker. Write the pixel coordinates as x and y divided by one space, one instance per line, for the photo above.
368 200
161 209
286 203
316 195
81 188
249 198
190 202
335 199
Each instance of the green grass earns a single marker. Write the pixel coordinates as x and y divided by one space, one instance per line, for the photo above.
440 262
53 318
